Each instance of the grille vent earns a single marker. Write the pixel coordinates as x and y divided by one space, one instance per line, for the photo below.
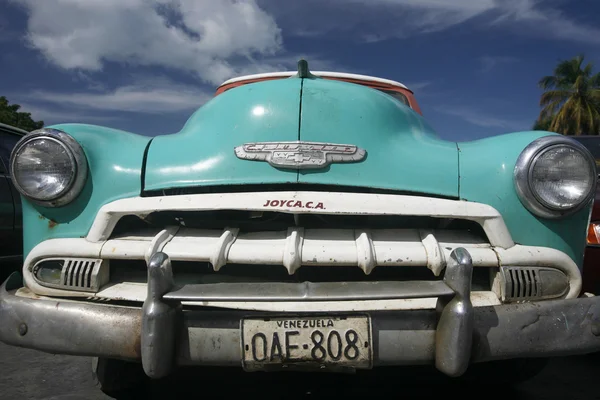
523 283
79 274
532 283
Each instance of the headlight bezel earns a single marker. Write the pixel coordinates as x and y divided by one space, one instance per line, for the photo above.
524 170
78 159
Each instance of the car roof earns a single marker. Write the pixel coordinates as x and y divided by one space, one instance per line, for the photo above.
12 129
324 74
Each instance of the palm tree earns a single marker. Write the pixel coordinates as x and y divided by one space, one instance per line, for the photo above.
571 99
542 124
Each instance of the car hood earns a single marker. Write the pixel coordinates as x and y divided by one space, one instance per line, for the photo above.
403 153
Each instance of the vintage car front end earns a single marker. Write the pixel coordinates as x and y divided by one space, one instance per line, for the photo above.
301 223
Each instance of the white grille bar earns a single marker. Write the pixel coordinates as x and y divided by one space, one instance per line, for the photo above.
159 241
221 249
292 253
365 251
297 246
318 248
435 255
307 203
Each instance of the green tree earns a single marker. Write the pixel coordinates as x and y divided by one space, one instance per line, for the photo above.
542 125
10 115
571 99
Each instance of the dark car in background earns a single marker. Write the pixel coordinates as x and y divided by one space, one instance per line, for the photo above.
591 262
11 247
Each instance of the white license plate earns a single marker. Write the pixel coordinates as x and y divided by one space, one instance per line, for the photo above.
313 341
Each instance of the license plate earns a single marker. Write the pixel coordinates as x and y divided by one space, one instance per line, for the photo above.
312 341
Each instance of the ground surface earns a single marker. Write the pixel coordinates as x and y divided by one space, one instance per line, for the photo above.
29 374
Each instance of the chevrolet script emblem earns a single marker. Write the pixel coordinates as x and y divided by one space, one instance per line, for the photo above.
300 155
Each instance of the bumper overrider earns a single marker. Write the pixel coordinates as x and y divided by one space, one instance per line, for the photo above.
163 334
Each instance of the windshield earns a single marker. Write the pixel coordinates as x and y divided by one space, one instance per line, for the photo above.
397 96
394 93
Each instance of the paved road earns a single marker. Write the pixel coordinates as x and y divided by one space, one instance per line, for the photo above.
28 374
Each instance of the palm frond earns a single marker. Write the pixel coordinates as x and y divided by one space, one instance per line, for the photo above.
587 70
566 72
580 84
563 118
548 82
571 99
595 81
550 110
592 117
593 95
554 95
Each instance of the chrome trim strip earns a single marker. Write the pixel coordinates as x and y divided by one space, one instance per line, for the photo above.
309 291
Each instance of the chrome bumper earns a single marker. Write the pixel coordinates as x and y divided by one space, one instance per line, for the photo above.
162 334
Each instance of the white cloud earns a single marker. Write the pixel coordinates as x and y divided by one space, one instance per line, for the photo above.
52 114
433 15
218 39
415 86
372 20
479 118
149 95
199 36
488 63
288 62
376 20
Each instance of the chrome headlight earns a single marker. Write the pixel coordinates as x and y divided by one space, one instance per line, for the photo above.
49 167
555 176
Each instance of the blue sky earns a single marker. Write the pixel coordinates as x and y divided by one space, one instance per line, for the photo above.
145 65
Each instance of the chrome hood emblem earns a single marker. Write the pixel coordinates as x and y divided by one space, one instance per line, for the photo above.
300 155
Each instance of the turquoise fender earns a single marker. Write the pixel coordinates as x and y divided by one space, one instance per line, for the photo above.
115 160
486 176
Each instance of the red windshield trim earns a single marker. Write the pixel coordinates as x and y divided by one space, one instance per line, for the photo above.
375 85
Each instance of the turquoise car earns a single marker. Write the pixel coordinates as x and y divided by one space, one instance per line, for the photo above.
302 221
